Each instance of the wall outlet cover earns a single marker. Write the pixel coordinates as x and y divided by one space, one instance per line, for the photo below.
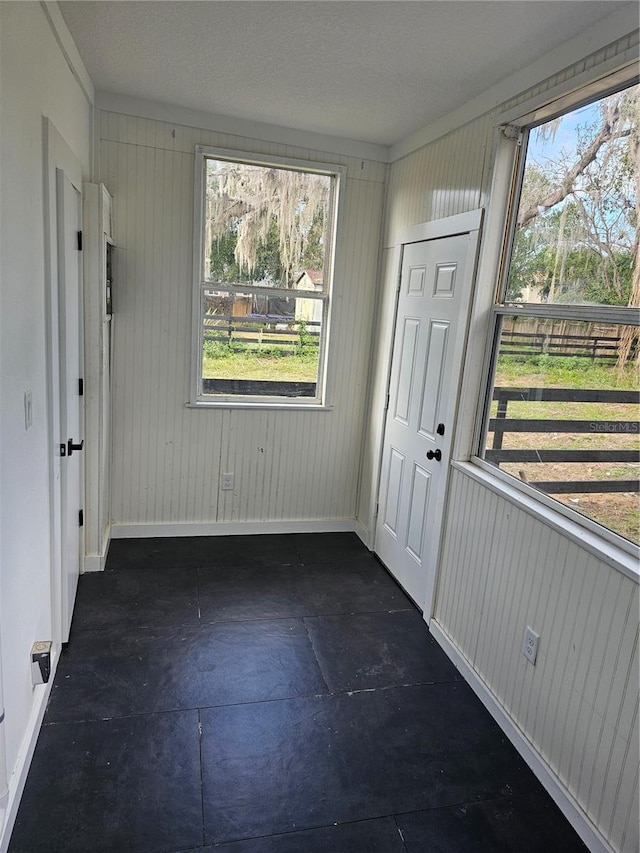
530 644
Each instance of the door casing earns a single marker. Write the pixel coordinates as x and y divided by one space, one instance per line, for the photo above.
58 156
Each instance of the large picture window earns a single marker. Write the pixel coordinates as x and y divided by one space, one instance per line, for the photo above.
561 415
265 233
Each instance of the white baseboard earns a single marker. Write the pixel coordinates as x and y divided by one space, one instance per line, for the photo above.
95 562
18 777
552 784
233 528
363 534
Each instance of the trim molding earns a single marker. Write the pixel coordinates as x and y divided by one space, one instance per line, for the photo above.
545 775
68 48
233 528
18 777
157 111
459 223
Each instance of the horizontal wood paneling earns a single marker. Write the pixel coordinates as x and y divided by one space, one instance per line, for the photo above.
167 459
502 569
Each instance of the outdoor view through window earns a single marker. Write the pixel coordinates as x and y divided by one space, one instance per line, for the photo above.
266 255
564 408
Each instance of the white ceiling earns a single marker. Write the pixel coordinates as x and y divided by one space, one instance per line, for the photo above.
371 71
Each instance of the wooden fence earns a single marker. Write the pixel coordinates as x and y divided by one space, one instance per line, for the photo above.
261 330
595 347
501 424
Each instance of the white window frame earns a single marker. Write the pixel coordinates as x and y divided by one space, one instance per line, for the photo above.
237 401
508 173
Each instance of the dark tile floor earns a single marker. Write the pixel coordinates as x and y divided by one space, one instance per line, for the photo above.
268 694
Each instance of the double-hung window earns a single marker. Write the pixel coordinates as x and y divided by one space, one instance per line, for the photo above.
561 411
264 250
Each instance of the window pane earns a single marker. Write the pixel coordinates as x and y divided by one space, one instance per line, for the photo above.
265 225
259 345
576 225
564 415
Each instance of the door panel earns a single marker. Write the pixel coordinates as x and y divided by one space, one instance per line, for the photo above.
407 364
417 511
433 308
392 509
434 378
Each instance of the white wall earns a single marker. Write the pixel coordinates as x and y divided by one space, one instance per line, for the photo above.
503 569
576 713
35 81
297 467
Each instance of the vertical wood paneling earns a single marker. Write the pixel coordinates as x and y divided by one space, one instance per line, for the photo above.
439 180
579 705
501 569
168 459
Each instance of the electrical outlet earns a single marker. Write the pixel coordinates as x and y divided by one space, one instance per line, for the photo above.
530 645
227 482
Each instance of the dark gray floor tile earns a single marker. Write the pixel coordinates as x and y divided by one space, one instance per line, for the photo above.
281 766
255 591
328 547
367 836
367 650
263 591
146 671
136 598
359 584
116 785
196 551
522 824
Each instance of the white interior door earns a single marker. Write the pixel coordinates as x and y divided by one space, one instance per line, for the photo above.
69 223
433 308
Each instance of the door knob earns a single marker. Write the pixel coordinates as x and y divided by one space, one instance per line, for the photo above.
434 454
71 446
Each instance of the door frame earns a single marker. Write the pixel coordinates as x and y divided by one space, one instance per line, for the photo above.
451 226
57 155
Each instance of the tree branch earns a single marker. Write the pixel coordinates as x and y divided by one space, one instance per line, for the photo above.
606 134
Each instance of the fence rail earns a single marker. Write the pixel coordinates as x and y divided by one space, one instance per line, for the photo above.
502 425
255 330
595 347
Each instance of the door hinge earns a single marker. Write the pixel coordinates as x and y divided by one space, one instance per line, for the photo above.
79 241
81 387
386 400
81 518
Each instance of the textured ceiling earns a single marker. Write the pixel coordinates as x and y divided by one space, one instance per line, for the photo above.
372 71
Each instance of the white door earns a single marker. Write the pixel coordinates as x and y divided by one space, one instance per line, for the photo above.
69 213
430 335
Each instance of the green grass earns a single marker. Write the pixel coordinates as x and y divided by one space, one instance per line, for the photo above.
268 364
546 371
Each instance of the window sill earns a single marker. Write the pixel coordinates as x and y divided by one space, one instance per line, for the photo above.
617 556
259 404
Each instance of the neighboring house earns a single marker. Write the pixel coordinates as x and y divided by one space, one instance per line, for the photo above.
309 310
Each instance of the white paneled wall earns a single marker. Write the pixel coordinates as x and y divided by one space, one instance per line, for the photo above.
417 193
439 180
502 569
167 459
